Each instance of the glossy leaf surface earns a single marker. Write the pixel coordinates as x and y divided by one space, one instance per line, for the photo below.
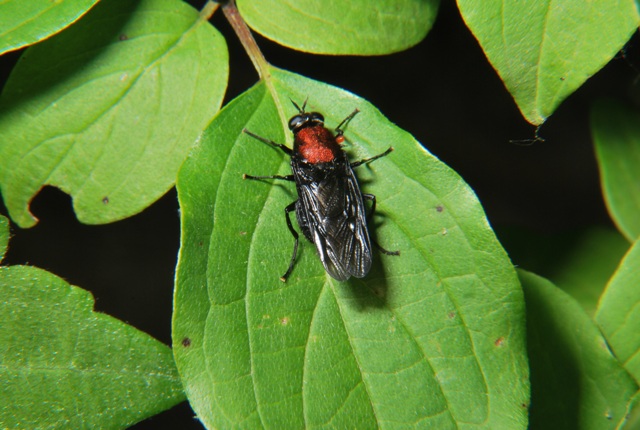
545 50
62 365
433 337
23 23
359 27
616 134
108 110
618 315
575 381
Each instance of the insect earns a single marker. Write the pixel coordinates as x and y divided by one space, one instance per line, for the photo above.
330 207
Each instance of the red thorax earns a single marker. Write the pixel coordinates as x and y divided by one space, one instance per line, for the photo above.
316 144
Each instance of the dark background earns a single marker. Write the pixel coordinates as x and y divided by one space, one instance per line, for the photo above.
443 91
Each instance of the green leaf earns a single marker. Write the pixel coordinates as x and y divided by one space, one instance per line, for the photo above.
616 134
433 337
108 110
579 262
618 315
633 422
24 23
545 50
575 381
360 27
64 366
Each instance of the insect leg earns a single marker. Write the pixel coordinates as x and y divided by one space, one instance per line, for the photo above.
369 160
285 178
372 198
285 148
369 216
339 130
288 210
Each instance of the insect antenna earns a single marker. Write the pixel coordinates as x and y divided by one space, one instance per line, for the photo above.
304 105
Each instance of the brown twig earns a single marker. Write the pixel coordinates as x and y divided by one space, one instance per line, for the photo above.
246 38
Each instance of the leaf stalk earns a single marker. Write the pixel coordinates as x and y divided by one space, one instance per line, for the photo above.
246 38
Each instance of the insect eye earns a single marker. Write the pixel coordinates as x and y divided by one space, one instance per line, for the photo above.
315 116
296 122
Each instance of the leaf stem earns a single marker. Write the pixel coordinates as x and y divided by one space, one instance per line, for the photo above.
261 65
246 38
208 10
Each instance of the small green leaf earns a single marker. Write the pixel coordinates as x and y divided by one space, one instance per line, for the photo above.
433 337
545 50
616 134
361 27
580 262
24 23
618 315
108 110
575 381
62 365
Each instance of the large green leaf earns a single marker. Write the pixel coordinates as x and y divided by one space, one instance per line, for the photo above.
616 134
23 23
108 110
359 27
575 381
433 337
546 49
618 314
62 365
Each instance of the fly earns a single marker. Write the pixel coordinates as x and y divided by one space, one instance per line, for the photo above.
330 207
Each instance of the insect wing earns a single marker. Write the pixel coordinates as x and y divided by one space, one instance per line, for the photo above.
333 211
